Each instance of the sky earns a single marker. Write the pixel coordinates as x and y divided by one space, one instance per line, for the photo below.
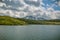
36 8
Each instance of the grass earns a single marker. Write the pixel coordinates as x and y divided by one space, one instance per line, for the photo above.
6 20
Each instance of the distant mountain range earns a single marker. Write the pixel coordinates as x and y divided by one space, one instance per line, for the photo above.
6 20
43 17
36 17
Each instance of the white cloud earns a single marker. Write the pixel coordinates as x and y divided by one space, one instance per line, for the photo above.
2 4
28 9
13 13
33 0
59 3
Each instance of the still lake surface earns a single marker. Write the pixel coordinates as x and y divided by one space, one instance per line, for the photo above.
30 32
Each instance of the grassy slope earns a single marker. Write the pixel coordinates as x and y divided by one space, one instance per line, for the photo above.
6 20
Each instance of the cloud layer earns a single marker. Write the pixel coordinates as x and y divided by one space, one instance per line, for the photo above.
37 8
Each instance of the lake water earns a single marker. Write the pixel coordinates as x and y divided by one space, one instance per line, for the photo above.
30 32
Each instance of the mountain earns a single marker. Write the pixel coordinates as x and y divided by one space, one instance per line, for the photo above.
34 18
44 16
6 20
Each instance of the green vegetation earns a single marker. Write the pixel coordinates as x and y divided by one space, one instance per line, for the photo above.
42 22
6 20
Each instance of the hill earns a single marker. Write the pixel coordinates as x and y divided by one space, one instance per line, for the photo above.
6 20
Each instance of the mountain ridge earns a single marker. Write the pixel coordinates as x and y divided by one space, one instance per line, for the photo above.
6 20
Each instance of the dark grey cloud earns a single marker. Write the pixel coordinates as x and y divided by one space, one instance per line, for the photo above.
12 3
14 9
35 3
0 0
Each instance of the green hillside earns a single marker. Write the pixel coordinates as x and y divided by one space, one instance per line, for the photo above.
6 20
